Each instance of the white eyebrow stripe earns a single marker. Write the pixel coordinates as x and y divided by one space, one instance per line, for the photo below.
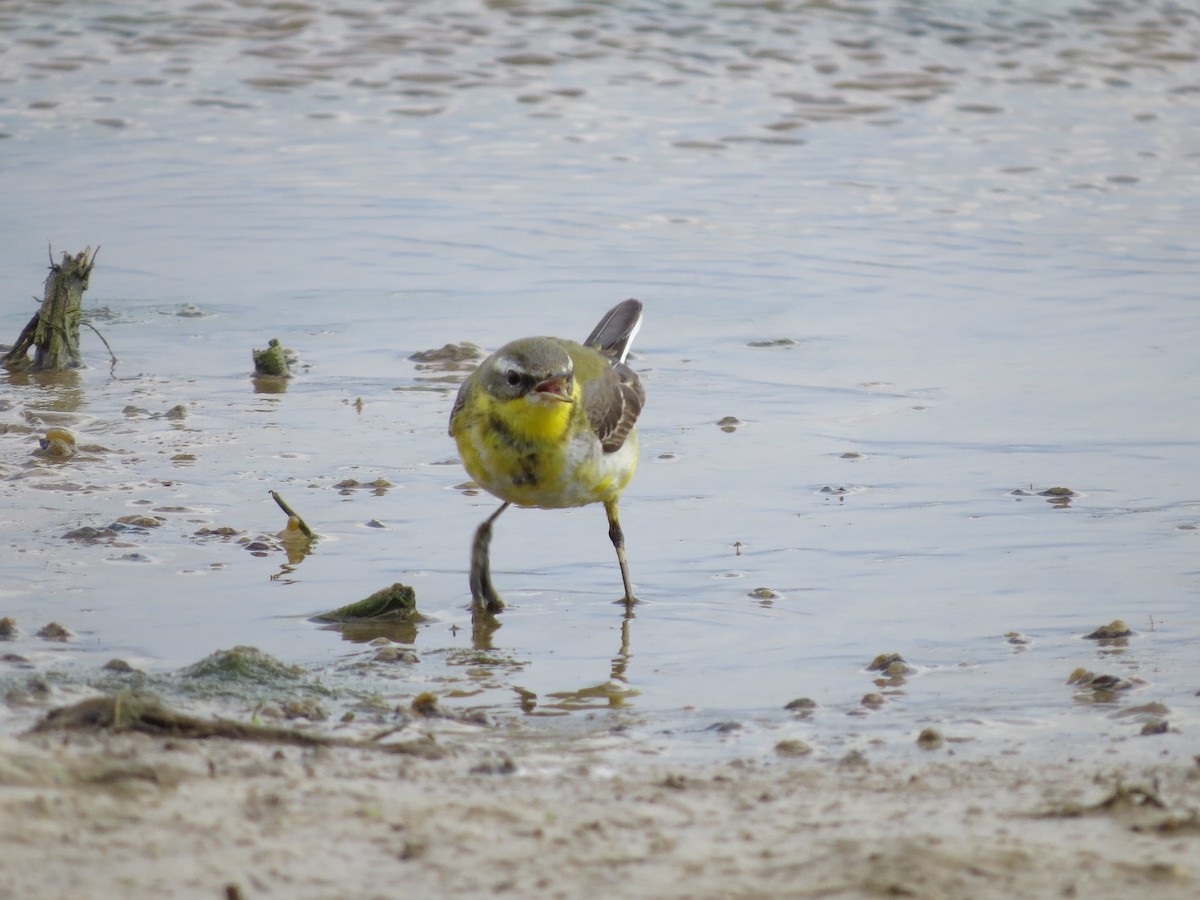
505 362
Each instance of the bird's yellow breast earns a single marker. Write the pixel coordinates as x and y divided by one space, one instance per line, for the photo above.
539 453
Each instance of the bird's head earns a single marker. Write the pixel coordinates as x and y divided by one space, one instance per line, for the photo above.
536 369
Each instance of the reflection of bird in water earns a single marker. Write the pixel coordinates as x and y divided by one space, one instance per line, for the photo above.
613 693
548 422
620 662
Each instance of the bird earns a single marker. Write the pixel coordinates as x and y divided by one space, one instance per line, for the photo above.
548 422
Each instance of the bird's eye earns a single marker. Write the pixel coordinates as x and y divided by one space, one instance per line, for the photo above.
513 377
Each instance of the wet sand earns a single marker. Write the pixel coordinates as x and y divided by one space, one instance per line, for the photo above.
137 816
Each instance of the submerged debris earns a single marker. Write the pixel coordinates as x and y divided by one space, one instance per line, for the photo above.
792 747
133 711
54 632
274 360
395 654
801 705
728 424
242 663
1057 492
125 524
399 601
1153 709
426 706
449 356
136 522
1123 797
305 708
1152 717
295 532
378 487
469 656
144 713
445 365
88 533
890 664
57 444
294 523
930 739
1099 688
53 332
1114 629
223 531
1089 678
292 541
853 759
390 612
1058 497
36 690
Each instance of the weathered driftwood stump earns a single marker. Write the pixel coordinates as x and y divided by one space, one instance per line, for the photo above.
53 332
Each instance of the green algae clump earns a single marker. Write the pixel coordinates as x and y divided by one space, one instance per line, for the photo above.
242 663
398 602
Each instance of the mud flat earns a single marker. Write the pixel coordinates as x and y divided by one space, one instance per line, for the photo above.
468 812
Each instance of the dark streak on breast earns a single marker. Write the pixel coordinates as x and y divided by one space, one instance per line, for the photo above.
527 477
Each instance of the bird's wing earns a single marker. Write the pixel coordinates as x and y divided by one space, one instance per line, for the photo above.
613 402
459 402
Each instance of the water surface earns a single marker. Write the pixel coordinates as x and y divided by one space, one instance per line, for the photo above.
933 258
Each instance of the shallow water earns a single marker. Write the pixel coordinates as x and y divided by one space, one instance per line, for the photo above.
934 258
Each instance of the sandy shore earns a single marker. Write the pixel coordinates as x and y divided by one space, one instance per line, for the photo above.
126 815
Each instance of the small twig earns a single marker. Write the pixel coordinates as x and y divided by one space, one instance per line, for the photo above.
303 526
111 355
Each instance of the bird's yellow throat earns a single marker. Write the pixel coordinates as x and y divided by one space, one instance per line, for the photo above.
536 420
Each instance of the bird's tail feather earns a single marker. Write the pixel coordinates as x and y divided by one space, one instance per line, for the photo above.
614 334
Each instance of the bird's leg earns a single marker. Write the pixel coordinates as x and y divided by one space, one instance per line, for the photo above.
618 538
483 594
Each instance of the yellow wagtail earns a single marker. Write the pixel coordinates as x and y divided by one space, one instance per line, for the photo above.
548 422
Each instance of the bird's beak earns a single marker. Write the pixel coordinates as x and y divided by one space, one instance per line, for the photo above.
556 387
